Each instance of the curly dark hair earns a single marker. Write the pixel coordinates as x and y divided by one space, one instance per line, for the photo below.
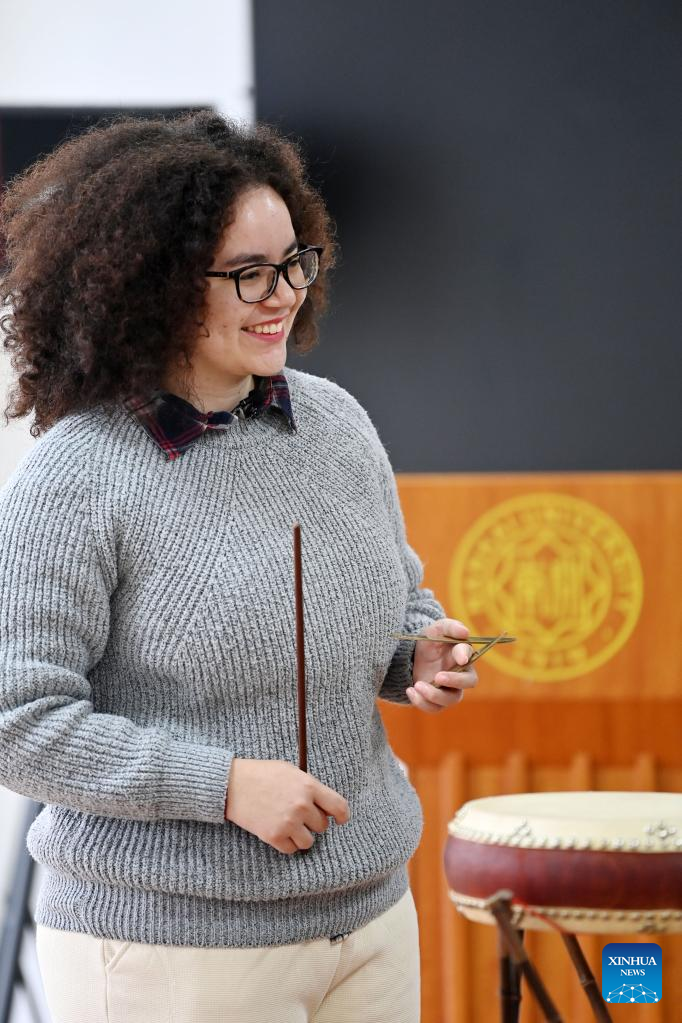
107 239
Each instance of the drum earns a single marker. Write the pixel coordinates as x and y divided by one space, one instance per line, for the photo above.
602 862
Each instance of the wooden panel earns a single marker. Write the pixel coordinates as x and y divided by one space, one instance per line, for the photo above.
490 729
440 510
616 726
454 950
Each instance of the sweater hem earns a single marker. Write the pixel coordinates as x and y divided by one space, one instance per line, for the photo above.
160 918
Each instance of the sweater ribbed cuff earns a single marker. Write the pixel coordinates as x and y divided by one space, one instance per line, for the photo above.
400 671
193 783
399 674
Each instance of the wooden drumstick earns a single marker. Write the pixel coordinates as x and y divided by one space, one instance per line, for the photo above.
300 651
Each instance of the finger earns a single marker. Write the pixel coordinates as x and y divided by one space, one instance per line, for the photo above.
462 654
302 838
457 679
418 701
438 697
331 803
451 628
287 847
316 820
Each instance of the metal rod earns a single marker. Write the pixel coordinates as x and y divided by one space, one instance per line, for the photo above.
16 915
300 651
504 638
479 653
29 997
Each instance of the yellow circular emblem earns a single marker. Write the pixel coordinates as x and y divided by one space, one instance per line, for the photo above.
559 574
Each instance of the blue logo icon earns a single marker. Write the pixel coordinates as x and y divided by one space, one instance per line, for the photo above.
631 971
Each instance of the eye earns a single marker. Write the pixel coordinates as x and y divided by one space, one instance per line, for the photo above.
254 274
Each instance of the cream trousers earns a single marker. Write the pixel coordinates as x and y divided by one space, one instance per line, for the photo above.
370 976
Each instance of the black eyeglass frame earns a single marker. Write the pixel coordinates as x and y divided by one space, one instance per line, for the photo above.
279 268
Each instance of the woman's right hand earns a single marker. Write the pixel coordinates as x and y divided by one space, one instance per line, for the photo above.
280 804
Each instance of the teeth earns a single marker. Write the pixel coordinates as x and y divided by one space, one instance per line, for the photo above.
267 328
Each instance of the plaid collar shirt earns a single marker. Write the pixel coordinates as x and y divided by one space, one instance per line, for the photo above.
174 424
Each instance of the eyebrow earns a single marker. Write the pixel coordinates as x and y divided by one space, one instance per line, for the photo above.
246 258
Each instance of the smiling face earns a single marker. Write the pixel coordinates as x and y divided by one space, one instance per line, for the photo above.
244 340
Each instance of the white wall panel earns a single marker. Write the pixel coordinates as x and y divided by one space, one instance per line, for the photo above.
127 53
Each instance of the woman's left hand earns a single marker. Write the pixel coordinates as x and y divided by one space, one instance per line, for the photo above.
436 685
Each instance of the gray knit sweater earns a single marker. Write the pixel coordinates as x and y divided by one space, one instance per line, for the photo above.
147 637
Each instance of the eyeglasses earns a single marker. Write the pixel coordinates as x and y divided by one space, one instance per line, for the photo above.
257 282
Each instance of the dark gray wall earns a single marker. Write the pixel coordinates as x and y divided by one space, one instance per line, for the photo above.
26 133
505 178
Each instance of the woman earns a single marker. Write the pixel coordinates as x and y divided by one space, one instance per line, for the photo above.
147 665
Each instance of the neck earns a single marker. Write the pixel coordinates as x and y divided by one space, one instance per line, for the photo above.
210 396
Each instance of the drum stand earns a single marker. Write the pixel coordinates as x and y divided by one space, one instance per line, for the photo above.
514 962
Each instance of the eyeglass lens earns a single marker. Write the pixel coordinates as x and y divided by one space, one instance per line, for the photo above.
257 283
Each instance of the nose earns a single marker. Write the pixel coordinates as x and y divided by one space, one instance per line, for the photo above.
283 295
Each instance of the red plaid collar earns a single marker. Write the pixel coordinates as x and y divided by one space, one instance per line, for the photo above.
174 424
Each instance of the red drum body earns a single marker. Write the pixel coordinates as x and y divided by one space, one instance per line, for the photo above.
602 862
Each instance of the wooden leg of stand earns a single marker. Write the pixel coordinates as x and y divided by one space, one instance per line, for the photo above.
500 906
510 981
589 984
